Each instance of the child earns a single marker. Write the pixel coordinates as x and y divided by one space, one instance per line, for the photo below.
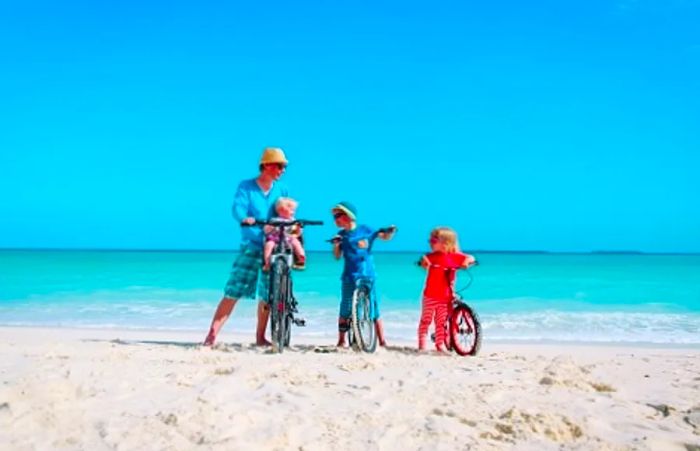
285 208
439 285
354 243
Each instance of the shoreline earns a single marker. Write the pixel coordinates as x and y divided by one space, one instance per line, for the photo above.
195 336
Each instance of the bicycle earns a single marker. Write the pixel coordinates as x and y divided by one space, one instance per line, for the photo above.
362 334
283 304
462 326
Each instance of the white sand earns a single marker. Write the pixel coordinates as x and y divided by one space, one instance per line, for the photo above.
94 390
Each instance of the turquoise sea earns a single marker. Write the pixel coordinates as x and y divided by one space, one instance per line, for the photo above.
534 297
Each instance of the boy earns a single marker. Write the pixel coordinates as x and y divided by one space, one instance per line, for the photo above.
354 243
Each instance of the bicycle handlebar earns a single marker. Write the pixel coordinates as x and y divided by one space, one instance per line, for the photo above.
390 229
281 223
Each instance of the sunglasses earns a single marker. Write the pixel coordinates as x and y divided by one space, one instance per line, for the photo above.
280 166
338 215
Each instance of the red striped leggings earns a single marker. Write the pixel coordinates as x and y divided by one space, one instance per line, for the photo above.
437 309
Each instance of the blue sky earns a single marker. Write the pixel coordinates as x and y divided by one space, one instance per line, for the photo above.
550 125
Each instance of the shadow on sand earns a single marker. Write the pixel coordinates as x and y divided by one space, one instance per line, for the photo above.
252 347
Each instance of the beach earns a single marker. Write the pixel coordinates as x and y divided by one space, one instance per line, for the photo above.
181 173
99 389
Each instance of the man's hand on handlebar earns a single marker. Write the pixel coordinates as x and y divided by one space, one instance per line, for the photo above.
248 221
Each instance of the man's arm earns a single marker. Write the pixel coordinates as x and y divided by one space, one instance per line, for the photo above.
241 202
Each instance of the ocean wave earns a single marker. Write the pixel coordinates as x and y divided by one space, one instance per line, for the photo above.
511 319
616 327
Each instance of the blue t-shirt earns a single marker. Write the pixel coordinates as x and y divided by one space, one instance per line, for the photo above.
251 202
358 260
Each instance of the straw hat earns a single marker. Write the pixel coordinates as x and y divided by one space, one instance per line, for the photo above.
273 155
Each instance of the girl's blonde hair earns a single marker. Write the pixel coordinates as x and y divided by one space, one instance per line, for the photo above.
447 237
288 201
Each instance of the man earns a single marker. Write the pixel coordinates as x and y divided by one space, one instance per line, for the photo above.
254 199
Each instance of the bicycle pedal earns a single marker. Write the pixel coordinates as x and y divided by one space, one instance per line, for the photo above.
301 322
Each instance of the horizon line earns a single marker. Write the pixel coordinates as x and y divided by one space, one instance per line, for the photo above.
219 251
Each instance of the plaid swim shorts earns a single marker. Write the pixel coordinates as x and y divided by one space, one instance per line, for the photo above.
246 276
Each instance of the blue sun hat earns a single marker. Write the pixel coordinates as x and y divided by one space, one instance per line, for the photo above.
347 208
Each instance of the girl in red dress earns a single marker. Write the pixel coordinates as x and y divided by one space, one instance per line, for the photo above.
441 263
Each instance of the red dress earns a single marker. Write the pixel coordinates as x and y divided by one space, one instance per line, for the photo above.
438 294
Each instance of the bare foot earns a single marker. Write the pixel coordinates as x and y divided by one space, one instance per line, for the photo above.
209 341
264 342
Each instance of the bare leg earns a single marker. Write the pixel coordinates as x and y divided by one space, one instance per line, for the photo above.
341 333
263 315
267 252
223 311
298 249
379 327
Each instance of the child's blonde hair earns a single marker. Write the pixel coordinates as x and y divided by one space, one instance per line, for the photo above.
447 237
288 201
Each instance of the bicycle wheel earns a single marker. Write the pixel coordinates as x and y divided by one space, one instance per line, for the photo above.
465 331
351 338
287 336
362 322
287 330
278 301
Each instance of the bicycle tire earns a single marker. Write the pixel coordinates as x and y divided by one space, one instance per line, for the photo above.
362 323
287 331
278 304
465 331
